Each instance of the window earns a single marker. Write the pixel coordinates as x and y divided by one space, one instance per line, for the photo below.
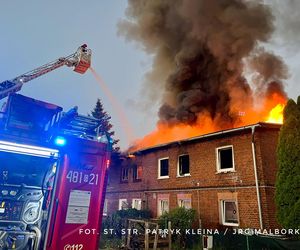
137 204
137 172
225 159
184 200
123 204
124 174
163 168
183 165
105 208
229 212
186 203
163 206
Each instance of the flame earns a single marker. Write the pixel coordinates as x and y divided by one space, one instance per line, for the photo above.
276 114
269 109
165 134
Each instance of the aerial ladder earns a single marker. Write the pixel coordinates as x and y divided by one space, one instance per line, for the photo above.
53 168
80 61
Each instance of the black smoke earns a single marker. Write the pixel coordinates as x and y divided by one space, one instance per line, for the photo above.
200 50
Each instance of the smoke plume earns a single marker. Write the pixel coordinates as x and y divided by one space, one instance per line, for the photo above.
200 50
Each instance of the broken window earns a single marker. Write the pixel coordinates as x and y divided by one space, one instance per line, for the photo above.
225 159
163 167
229 212
183 165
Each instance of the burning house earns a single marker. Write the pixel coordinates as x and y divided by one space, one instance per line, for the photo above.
227 176
210 71
211 77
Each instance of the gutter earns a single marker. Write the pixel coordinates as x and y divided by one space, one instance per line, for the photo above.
256 176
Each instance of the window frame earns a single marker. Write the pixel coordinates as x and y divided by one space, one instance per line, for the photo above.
133 201
184 199
124 180
222 204
159 206
178 166
218 161
120 203
135 173
159 168
105 208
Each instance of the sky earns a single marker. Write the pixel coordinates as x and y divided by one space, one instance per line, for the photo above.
36 32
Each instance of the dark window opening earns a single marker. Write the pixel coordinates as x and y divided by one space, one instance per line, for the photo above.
225 158
184 165
164 167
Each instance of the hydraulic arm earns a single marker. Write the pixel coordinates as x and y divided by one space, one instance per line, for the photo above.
80 61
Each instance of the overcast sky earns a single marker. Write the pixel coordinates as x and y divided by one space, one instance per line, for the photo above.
36 32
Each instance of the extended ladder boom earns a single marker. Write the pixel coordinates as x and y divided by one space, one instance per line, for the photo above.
80 60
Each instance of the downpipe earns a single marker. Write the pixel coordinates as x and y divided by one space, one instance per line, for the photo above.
256 178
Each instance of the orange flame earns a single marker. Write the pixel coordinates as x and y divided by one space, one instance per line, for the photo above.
165 134
276 114
270 110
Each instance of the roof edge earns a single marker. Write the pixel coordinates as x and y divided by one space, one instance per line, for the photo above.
220 132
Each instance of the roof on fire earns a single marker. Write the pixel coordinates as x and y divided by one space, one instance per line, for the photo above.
209 135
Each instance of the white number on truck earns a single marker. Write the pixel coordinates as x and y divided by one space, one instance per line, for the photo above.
80 177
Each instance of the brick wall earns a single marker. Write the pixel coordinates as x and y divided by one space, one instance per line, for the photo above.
204 181
266 143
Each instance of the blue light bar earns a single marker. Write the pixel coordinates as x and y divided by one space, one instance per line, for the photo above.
60 141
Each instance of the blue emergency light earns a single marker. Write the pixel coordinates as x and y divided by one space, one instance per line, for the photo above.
60 141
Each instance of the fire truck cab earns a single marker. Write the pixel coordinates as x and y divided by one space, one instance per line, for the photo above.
52 176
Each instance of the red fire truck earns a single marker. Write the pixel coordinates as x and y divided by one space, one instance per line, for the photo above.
52 169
